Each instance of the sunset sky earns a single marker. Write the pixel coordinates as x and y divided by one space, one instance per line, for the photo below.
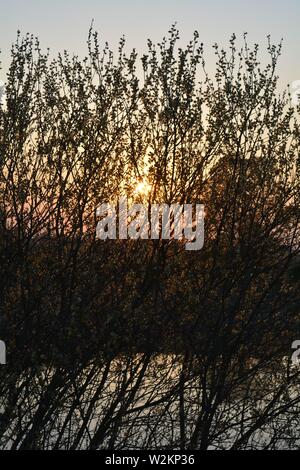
64 24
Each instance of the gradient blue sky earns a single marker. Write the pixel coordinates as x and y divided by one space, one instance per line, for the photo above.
63 24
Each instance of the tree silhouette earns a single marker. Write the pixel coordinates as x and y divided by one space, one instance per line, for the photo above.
123 344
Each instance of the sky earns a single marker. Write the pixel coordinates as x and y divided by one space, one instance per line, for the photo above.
64 24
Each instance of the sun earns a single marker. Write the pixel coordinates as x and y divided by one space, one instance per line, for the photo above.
142 188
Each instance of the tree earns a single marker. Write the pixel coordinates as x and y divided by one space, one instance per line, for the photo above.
141 344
